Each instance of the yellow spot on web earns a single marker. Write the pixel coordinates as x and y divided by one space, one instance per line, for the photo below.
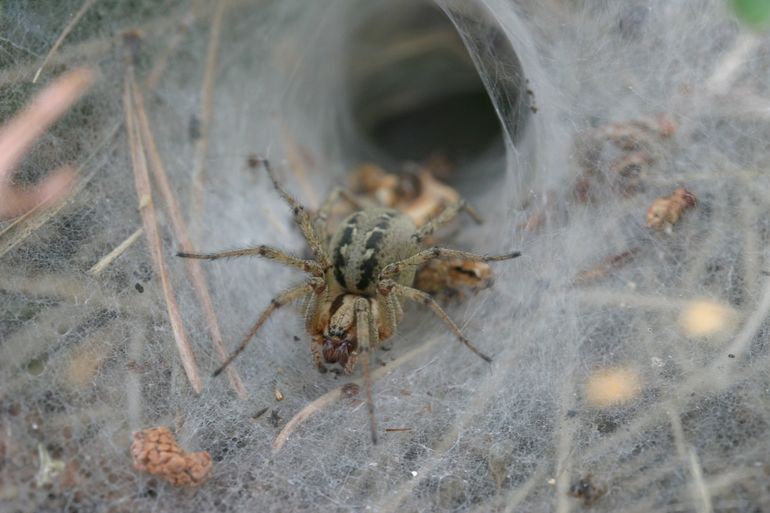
612 386
705 318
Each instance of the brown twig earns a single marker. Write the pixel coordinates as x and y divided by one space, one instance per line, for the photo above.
147 211
180 230
207 105
18 134
87 4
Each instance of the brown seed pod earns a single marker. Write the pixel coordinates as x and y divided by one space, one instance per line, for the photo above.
155 451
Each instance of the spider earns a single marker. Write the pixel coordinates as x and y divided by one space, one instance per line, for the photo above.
357 279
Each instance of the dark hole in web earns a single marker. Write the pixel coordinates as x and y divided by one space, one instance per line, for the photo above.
417 96
440 125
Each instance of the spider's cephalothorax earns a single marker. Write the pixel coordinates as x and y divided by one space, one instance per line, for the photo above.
352 299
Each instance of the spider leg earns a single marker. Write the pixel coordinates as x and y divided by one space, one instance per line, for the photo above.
313 285
420 258
388 286
302 219
309 310
321 217
446 215
309 266
390 312
367 338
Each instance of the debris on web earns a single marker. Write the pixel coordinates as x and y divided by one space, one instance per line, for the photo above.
156 452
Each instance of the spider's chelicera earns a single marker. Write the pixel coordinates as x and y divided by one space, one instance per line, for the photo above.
352 299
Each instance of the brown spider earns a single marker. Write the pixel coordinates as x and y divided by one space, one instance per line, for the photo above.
352 300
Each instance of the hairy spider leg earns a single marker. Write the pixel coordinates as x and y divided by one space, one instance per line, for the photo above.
420 258
322 216
309 266
446 215
367 338
388 287
303 221
390 309
314 285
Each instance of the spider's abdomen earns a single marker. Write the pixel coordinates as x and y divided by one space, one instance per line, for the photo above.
368 240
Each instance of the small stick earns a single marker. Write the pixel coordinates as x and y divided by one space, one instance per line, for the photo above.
207 103
87 4
102 264
397 430
180 230
147 211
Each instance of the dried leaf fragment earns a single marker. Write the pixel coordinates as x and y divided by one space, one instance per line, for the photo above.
417 194
155 451
449 277
374 181
668 209
606 267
